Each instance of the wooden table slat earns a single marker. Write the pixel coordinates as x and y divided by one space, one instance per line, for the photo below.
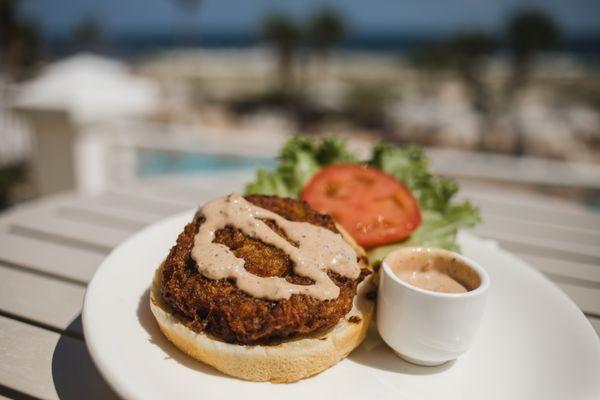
584 272
532 246
545 231
506 205
48 225
196 188
523 197
47 257
586 298
106 218
137 198
107 204
591 251
170 192
47 365
48 301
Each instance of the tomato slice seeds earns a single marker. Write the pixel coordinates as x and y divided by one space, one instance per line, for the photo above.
373 206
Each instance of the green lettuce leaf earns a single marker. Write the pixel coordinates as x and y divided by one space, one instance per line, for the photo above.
269 183
442 218
300 158
436 230
410 166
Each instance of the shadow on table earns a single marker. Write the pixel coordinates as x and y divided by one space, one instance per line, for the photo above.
73 372
374 353
156 337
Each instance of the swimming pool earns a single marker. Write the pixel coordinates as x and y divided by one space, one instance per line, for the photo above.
159 162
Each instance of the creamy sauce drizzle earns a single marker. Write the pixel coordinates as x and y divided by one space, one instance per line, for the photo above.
318 250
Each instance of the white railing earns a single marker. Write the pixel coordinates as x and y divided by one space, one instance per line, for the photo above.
106 155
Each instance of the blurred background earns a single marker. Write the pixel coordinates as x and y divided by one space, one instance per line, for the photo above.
95 94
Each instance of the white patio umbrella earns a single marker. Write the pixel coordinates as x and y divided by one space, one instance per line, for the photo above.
90 88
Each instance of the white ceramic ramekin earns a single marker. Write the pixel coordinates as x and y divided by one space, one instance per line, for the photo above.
425 327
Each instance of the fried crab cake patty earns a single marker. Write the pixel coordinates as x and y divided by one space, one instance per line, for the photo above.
219 308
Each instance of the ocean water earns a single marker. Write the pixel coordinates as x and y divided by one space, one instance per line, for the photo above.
137 44
155 163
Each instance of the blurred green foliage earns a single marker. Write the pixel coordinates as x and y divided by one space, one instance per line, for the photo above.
324 30
320 33
10 176
365 104
20 41
87 33
285 36
527 33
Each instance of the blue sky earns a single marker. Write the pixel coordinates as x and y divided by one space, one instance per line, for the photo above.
408 16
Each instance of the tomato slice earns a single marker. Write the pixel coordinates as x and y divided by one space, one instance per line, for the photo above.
374 207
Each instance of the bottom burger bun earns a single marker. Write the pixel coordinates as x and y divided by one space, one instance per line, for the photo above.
285 362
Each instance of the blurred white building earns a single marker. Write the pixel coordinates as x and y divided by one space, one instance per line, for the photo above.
65 103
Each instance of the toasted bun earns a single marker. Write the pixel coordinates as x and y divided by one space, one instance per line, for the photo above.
286 362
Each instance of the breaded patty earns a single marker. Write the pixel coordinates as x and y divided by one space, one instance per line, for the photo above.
218 307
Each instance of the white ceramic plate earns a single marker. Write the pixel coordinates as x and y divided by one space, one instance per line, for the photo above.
534 343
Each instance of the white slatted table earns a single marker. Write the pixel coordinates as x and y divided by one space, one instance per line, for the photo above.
49 250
